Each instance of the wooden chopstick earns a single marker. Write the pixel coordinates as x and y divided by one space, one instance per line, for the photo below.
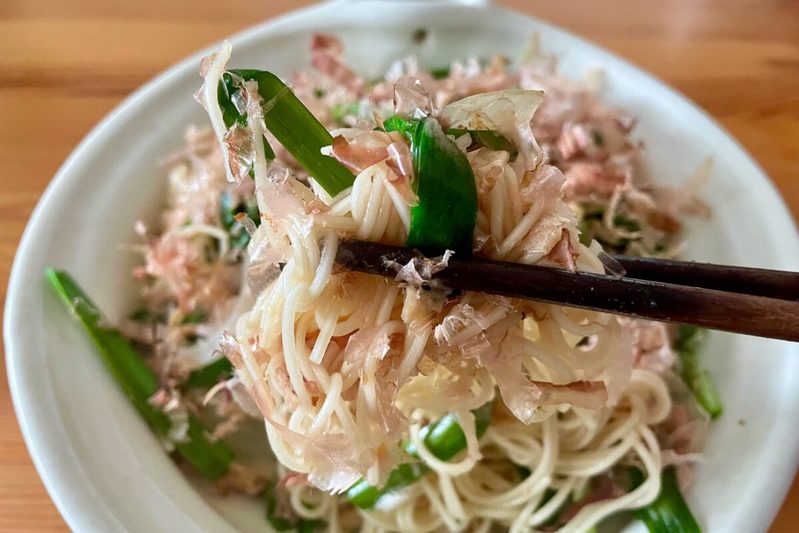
746 280
724 310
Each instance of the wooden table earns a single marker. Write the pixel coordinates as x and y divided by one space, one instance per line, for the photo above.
66 63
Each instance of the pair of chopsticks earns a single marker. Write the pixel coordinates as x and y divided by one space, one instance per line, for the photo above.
752 301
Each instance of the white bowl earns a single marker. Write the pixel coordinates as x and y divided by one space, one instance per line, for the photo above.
106 471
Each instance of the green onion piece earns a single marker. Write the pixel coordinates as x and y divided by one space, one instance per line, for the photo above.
137 381
195 316
340 111
129 369
592 227
210 458
397 123
230 114
446 213
209 375
598 138
239 238
145 316
523 473
668 513
698 380
365 496
293 125
444 438
626 223
440 73
490 139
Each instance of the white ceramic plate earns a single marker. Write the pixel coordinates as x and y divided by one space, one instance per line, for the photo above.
105 470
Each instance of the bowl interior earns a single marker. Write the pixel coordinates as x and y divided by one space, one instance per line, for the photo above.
101 464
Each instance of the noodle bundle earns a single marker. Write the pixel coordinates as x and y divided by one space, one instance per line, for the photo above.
349 371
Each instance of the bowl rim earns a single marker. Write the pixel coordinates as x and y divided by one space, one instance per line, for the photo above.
52 462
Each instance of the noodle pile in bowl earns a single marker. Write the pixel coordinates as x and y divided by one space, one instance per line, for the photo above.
350 370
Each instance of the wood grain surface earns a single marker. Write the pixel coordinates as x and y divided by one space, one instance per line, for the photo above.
66 63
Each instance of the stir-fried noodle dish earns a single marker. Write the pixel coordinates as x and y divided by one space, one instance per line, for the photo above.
346 401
